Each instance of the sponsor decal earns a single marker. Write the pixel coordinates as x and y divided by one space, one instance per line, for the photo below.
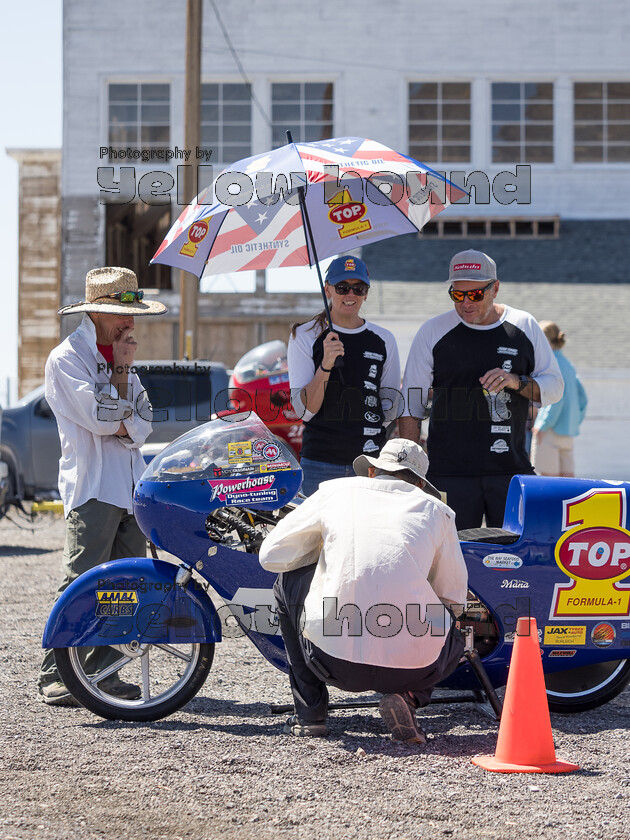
116 603
499 446
507 351
233 486
467 267
278 378
513 583
501 430
594 554
371 401
603 635
196 234
509 637
240 452
369 386
507 365
277 466
570 634
349 215
271 451
371 417
258 445
563 654
372 371
368 431
369 354
258 498
502 561
370 446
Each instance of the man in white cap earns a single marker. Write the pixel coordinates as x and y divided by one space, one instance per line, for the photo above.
484 362
103 416
372 576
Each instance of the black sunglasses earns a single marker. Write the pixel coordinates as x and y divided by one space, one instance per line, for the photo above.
472 294
359 289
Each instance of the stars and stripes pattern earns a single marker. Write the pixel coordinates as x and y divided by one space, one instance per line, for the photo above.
259 223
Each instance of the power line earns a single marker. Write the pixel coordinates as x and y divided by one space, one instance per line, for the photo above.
238 63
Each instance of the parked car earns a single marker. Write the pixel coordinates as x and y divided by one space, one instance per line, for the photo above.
183 394
4 480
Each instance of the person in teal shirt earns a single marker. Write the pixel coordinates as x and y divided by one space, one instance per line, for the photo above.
557 425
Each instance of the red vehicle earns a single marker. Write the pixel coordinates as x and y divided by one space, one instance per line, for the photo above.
260 383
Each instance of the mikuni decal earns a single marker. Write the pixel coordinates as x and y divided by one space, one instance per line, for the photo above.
508 638
502 561
603 635
240 452
499 446
196 233
570 634
563 654
595 554
116 603
234 486
271 452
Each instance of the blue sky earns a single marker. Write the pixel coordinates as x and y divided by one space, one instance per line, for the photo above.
30 66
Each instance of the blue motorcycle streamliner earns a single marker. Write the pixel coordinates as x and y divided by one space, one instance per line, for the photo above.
210 497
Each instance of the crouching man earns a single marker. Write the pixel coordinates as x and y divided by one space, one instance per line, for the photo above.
371 573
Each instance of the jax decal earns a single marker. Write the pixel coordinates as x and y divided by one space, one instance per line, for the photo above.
196 234
116 602
571 634
595 554
349 214
251 485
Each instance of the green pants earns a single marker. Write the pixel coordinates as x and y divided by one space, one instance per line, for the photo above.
96 532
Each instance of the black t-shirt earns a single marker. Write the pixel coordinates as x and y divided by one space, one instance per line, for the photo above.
358 396
472 432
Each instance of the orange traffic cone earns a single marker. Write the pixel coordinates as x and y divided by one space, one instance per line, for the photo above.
525 743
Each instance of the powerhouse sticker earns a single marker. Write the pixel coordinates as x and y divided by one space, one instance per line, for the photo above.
595 554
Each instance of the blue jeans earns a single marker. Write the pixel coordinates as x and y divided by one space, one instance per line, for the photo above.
317 471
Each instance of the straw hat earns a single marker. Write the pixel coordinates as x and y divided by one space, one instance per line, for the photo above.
101 283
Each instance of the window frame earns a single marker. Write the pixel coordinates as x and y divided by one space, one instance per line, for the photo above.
522 122
604 162
439 162
297 129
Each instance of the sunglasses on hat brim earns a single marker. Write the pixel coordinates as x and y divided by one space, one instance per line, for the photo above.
124 297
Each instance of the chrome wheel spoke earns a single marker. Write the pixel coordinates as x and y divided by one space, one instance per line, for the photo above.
146 688
107 672
173 651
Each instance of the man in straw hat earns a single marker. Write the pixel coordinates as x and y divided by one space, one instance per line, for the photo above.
371 576
102 413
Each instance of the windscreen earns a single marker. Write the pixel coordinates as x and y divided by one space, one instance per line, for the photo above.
235 445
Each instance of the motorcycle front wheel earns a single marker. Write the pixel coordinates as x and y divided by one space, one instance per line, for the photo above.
581 689
167 676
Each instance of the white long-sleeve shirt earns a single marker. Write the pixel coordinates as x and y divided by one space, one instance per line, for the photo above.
383 548
94 463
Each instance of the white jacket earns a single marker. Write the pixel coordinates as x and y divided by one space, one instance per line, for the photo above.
383 548
95 464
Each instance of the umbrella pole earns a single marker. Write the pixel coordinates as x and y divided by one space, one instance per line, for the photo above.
313 249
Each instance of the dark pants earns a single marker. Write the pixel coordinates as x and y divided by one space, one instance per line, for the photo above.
96 532
311 669
473 497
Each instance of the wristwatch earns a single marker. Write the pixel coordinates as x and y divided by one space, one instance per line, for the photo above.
523 382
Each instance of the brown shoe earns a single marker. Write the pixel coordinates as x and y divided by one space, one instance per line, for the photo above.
400 719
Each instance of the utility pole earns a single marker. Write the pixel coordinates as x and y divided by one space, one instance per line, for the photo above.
188 283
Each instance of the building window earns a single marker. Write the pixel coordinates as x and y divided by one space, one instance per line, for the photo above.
226 121
304 108
139 116
439 121
522 122
601 122
546 227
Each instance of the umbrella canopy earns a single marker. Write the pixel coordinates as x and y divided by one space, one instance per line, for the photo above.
303 202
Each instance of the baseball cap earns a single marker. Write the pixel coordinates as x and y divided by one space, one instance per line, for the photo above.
398 454
472 265
344 268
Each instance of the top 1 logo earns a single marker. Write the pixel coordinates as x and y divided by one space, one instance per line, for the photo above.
595 553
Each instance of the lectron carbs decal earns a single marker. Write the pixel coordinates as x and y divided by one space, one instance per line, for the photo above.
595 553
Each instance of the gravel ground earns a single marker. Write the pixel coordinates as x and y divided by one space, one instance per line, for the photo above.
221 769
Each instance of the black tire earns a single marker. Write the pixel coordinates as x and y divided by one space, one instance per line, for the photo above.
581 689
173 693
